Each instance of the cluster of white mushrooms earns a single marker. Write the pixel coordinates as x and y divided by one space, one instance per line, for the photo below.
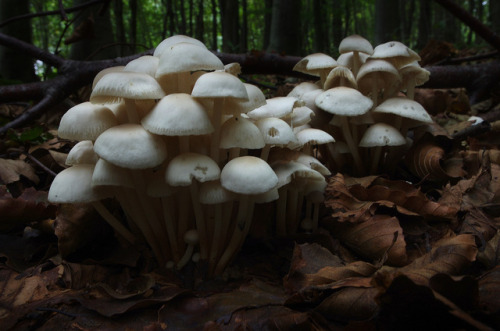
188 150
362 89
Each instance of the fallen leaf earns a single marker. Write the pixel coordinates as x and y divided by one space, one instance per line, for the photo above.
11 170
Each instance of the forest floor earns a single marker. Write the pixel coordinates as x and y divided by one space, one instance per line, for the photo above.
394 251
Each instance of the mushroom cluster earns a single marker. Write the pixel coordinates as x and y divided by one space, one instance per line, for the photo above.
188 150
370 93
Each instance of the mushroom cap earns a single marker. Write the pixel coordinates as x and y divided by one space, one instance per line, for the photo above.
108 174
172 40
178 114
404 107
414 70
187 57
313 64
382 134
191 237
238 106
82 152
242 133
395 52
212 192
131 146
314 137
147 64
73 185
105 71
248 175
116 86
344 101
292 170
276 107
183 168
278 155
219 84
355 43
275 131
86 121
347 59
299 116
304 87
340 76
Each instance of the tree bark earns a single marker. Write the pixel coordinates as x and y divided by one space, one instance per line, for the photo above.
387 22
285 27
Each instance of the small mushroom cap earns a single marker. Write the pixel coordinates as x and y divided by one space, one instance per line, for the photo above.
212 192
299 116
170 41
275 131
355 43
73 185
340 76
191 237
147 64
108 174
382 134
344 101
219 84
404 107
314 137
299 90
187 57
276 107
116 86
106 71
86 121
347 59
242 133
131 146
395 52
185 167
82 152
414 71
239 106
248 175
313 64
178 114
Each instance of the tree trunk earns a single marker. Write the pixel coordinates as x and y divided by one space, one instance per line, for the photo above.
285 27
133 25
92 35
337 13
230 26
214 25
424 23
199 26
120 27
267 23
244 27
387 23
494 15
13 65
319 19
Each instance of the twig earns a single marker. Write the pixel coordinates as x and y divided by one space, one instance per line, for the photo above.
40 164
64 17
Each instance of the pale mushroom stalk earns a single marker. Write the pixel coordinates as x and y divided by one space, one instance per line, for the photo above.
113 222
291 208
242 226
168 207
264 153
183 144
217 236
377 152
132 115
191 238
200 220
352 146
216 119
281 211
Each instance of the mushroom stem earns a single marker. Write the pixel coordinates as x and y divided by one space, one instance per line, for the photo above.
200 220
281 211
216 119
132 115
183 144
217 236
377 152
352 146
168 208
264 153
242 226
113 222
291 208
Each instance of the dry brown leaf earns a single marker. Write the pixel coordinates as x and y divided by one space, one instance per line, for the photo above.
30 206
428 160
313 265
11 170
449 256
489 292
350 304
377 238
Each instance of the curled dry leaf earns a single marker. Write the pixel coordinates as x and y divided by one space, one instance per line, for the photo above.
428 160
489 292
379 237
